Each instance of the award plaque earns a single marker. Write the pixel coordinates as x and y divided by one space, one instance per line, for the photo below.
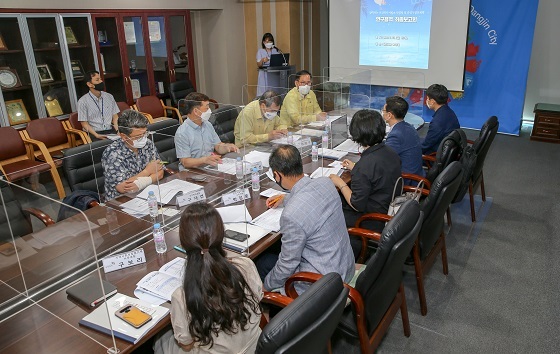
2 43
9 78
53 107
77 69
44 73
70 36
17 114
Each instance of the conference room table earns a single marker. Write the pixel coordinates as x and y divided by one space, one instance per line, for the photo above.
48 324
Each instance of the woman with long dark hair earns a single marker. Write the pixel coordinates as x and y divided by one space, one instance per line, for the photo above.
217 309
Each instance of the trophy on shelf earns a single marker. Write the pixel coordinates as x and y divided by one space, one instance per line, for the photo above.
53 107
70 36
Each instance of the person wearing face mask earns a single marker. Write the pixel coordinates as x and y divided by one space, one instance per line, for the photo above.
259 122
314 236
131 163
196 141
97 109
403 138
300 104
444 120
263 61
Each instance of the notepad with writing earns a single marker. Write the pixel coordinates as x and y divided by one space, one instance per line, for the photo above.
165 281
89 292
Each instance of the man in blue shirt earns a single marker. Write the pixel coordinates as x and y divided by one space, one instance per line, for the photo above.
403 138
196 141
444 120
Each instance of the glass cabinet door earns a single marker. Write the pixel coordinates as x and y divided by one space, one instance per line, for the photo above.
160 56
177 33
15 82
49 63
80 49
136 56
111 65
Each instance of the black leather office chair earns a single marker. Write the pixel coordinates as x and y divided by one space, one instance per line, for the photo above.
179 90
82 166
164 140
19 218
223 120
449 150
379 293
307 323
481 147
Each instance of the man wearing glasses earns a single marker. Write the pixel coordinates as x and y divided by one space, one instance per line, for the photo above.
300 104
259 122
131 163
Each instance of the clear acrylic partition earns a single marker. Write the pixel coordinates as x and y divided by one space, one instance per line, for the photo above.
38 263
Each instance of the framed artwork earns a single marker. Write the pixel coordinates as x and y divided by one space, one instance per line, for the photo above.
44 73
9 78
53 108
70 36
77 69
2 43
17 114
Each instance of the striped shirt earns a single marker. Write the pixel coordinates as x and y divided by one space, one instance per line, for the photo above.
98 112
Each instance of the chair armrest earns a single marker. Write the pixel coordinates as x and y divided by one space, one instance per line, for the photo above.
470 141
359 310
429 158
372 216
425 191
364 235
92 204
45 218
174 110
42 147
276 299
417 178
83 135
301 276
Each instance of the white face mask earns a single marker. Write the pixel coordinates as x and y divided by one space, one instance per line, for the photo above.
205 116
304 89
140 143
428 103
270 115
269 45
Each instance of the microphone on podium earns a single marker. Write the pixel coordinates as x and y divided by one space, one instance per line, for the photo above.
283 56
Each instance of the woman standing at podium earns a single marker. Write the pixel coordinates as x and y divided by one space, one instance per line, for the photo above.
266 80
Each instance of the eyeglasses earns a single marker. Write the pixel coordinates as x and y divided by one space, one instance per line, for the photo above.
138 137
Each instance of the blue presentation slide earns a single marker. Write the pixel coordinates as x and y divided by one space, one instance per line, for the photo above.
395 33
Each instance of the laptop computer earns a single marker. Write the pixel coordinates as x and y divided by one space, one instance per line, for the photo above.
278 59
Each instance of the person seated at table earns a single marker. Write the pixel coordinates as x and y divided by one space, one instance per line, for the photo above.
216 310
196 141
403 138
97 109
131 163
300 104
259 122
314 236
373 177
444 120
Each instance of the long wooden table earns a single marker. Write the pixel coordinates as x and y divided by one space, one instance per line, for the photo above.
51 324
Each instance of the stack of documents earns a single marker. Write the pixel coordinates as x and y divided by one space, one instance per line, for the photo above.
166 191
162 283
332 154
269 220
271 192
255 233
136 207
348 146
284 140
310 132
234 213
258 156
326 172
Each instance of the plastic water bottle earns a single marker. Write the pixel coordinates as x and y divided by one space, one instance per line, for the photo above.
152 204
255 180
159 239
314 152
239 168
290 138
325 138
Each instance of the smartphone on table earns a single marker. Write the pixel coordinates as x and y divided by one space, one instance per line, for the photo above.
133 316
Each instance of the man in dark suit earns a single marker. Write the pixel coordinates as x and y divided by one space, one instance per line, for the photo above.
444 120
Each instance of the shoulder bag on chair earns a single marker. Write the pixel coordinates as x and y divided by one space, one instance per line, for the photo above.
403 197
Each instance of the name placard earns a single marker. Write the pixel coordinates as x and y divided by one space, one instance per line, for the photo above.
236 196
124 260
191 197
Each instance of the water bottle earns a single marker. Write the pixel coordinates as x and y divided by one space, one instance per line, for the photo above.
152 204
325 139
314 152
255 180
239 168
290 138
159 239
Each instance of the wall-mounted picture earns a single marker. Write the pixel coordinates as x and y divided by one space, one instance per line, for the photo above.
2 43
44 73
17 114
9 78
70 36
77 69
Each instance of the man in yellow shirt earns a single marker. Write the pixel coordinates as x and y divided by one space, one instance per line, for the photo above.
258 122
300 104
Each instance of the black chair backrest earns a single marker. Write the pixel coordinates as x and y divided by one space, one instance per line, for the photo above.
179 90
449 150
435 205
223 120
164 138
379 282
306 324
482 144
82 166
19 222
